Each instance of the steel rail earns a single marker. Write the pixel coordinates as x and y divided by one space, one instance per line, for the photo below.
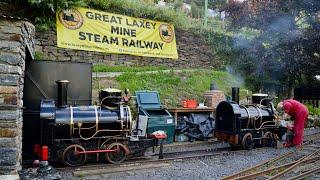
258 165
166 154
152 159
146 162
204 153
306 174
260 173
265 162
141 160
295 165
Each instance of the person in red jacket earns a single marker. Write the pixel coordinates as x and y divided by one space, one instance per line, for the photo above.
299 113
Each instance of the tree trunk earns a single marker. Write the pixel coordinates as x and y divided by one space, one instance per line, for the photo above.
290 88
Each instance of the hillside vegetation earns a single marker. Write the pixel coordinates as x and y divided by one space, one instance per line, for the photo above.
43 12
173 86
105 68
273 44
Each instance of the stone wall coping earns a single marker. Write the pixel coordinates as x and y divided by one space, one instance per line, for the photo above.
8 107
10 177
14 18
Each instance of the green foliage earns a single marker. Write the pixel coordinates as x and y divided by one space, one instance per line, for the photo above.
196 11
106 68
301 20
178 4
248 33
43 11
313 111
278 53
314 115
219 4
139 8
149 1
38 55
173 87
218 37
55 5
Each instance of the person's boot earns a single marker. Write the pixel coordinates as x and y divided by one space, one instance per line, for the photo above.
287 144
299 147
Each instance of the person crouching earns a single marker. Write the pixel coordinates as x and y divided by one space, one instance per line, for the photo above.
299 113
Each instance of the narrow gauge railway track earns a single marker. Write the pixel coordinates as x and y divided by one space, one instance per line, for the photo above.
176 156
273 171
168 157
280 166
190 152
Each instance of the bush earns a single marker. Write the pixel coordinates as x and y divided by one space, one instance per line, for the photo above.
139 8
313 111
43 12
176 86
106 68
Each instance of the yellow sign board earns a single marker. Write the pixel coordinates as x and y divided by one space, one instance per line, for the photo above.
92 30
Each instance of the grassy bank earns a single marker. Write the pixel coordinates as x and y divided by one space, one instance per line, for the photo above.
106 68
173 86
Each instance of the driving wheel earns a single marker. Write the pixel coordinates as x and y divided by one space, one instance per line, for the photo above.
119 154
71 157
247 141
268 140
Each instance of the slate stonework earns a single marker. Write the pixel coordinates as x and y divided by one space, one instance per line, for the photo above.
192 50
15 36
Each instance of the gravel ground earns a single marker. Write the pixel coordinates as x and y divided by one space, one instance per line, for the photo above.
310 131
200 168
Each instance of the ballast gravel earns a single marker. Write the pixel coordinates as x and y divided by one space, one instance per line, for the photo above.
201 168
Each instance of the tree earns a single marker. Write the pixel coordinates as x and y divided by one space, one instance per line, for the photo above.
283 55
196 11
178 4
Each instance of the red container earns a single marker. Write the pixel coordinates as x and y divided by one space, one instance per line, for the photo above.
184 104
189 103
37 149
44 153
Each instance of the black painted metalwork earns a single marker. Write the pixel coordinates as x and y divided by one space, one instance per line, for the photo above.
40 83
246 125
62 93
235 94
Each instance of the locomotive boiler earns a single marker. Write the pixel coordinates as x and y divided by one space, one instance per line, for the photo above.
72 132
247 125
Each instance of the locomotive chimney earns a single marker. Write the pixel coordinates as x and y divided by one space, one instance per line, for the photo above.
235 94
213 86
62 92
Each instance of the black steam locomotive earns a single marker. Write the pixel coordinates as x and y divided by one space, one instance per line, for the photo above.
70 133
247 125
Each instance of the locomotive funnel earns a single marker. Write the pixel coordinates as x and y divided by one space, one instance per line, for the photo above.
235 94
62 92
213 86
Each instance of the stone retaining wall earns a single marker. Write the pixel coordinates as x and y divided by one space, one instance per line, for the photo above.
192 50
14 35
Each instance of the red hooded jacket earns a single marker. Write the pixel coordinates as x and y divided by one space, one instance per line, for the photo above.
293 108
